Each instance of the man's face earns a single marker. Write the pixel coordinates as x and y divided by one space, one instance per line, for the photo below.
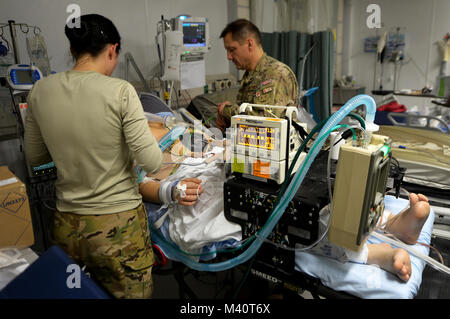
237 52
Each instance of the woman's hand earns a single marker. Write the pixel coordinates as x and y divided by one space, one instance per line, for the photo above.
193 191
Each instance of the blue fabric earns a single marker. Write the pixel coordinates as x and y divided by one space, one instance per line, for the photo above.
164 114
369 281
47 278
154 213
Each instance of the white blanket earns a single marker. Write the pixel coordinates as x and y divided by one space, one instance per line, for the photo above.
192 227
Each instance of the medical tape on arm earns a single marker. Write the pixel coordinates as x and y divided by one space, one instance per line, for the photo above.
180 190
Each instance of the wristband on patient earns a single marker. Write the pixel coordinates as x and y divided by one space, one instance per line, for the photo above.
165 192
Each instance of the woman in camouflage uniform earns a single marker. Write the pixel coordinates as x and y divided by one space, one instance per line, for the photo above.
92 126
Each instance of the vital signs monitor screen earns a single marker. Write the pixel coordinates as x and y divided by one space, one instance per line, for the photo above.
194 34
24 76
256 136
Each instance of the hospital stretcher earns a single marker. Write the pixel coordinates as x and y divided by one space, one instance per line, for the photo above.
331 278
328 277
322 275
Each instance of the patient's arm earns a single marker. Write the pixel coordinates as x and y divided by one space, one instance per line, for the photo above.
149 191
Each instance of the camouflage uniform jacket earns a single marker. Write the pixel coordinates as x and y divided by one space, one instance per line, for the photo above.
271 82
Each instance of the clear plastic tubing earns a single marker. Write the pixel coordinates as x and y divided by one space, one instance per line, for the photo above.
167 121
154 118
430 261
289 194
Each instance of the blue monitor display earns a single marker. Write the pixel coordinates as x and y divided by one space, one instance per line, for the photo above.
194 34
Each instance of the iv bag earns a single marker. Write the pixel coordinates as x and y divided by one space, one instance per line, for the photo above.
172 56
37 51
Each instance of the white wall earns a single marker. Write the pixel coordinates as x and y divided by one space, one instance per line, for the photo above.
135 19
424 22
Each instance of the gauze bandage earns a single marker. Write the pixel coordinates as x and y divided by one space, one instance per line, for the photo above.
359 257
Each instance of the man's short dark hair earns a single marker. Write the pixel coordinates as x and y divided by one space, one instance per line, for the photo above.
241 29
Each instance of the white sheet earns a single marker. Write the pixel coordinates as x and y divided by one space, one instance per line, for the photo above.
193 227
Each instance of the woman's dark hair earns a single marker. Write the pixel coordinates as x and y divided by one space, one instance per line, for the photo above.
92 35
242 29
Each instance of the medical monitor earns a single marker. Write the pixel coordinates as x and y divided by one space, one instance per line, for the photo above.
256 136
22 76
262 147
195 34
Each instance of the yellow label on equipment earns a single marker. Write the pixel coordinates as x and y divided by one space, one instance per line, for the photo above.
238 165
166 95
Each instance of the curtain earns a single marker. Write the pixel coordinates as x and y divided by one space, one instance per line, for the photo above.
291 47
308 16
304 15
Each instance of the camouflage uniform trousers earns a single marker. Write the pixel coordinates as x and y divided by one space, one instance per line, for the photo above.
116 249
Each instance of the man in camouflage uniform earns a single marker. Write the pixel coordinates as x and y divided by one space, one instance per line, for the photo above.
266 80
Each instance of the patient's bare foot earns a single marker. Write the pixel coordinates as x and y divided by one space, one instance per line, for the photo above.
407 225
395 261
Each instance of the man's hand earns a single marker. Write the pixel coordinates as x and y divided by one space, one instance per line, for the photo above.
193 191
221 106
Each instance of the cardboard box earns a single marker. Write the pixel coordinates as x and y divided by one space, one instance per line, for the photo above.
16 228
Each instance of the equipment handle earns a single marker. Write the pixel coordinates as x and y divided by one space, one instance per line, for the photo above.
289 109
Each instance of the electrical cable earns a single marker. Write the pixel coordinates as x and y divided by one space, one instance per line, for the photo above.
314 147
425 152
359 118
242 244
316 128
244 278
329 194
290 191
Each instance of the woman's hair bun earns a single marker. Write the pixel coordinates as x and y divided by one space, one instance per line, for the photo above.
92 35
81 32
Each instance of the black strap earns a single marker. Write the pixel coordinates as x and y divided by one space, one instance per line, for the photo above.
300 129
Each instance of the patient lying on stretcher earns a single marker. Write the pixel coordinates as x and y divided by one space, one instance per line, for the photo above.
406 225
190 188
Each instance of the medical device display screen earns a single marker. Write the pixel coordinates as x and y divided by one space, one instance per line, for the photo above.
194 34
23 76
256 136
